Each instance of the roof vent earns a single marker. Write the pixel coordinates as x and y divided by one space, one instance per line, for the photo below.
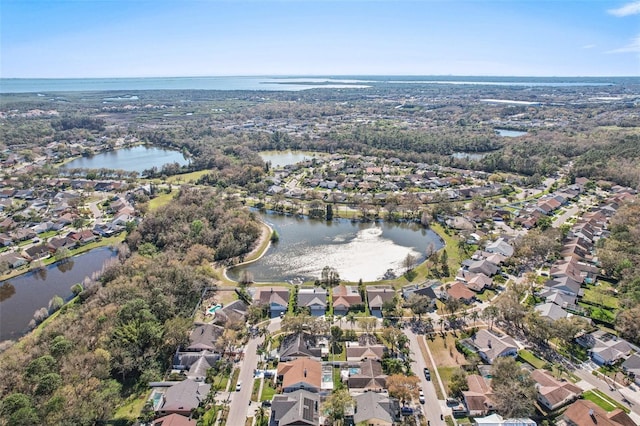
305 372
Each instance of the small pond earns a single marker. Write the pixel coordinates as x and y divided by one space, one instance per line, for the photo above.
135 159
506 133
357 250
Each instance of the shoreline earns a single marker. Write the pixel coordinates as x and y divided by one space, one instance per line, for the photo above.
262 246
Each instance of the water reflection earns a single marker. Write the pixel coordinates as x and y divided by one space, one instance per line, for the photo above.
65 265
6 291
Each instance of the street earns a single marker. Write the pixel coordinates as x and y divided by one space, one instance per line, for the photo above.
432 407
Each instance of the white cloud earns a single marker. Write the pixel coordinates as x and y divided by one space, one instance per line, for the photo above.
632 8
632 47
588 46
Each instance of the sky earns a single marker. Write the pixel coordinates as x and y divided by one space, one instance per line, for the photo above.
164 38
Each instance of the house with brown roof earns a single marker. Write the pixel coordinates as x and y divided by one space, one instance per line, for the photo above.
377 296
490 345
478 399
586 413
365 348
459 291
174 420
366 375
301 373
276 298
344 297
552 393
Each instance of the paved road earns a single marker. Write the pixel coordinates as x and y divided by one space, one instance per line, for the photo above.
589 378
432 407
239 407
562 219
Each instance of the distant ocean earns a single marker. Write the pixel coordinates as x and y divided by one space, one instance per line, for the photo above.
293 83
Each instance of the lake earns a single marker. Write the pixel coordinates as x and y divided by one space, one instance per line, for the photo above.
472 156
21 296
506 133
357 250
284 158
136 159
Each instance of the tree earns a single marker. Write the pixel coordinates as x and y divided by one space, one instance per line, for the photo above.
514 391
392 336
490 314
409 262
405 388
368 325
337 405
458 382
62 254
419 304
336 338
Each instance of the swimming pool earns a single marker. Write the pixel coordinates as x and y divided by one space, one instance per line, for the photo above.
157 400
354 370
213 309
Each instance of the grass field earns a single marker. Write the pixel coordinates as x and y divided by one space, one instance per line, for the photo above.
133 407
268 390
603 401
162 200
600 295
187 177
530 358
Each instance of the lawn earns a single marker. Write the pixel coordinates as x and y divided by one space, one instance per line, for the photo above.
133 407
530 358
598 295
445 375
162 200
268 390
339 356
256 389
486 295
234 379
603 401
444 351
187 177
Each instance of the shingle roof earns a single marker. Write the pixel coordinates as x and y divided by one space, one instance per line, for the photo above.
372 405
185 395
299 408
300 370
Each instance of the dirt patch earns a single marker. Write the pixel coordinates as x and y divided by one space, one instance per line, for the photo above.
444 350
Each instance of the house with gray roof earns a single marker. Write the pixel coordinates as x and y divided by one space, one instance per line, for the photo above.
551 311
313 298
484 266
204 336
183 397
631 366
490 345
376 408
605 348
565 285
299 408
235 311
500 246
377 296
298 346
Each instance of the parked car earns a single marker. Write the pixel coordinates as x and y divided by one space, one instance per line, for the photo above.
427 373
266 403
421 397
406 410
238 386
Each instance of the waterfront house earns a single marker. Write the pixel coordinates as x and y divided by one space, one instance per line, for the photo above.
344 297
377 296
276 298
315 299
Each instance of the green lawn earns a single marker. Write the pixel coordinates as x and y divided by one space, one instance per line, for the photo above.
268 390
486 295
234 379
530 358
445 375
256 389
600 296
162 200
133 407
339 356
603 401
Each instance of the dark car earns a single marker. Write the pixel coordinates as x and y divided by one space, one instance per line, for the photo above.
266 403
406 411
427 373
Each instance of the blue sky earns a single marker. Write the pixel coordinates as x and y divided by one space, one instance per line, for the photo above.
138 38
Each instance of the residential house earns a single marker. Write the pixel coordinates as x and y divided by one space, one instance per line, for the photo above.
174 420
551 311
195 364
423 289
586 413
459 291
552 393
183 397
301 373
204 337
372 408
298 346
478 398
315 299
5 240
565 285
36 252
13 260
83 237
61 242
366 375
299 408
234 312
490 345
366 347
500 246
631 366
605 348
344 297
276 298
377 296
498 420
483 266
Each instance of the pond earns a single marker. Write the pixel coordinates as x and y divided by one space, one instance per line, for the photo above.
472 156
506 133
356 250
136 159
284 158
21 296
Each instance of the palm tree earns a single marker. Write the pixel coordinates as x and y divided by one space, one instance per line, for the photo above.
474 316
441 323
260 416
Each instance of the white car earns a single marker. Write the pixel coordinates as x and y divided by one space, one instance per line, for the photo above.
238 386
421 397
